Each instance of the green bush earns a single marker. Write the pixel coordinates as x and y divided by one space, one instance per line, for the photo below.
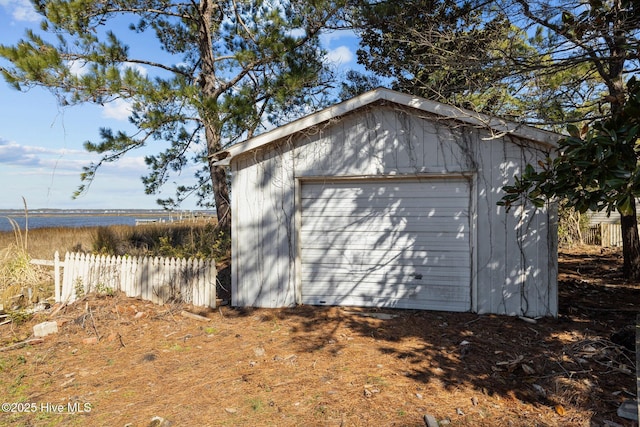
166 240
106 241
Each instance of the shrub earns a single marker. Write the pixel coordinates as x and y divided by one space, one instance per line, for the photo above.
20 281
106 241
167 240
572 226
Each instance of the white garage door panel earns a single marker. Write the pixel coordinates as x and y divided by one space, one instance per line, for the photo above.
380 243
404 211
341 279
432 293
379 203
378 275
379 223
379 258
446 201
367 241
405 283
384 189
374 300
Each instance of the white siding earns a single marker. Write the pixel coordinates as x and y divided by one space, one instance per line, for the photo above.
513 258
516 255
596 218
263 213
381 142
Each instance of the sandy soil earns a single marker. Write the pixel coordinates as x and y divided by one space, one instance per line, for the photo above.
117 361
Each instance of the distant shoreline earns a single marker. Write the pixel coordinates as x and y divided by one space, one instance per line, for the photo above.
103 212
74 219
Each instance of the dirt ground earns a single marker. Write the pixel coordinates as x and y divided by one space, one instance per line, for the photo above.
118 361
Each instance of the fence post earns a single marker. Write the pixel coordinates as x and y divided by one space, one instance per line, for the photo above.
56 276
66 291
605 235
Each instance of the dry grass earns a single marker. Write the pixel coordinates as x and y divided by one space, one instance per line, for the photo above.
22 283
175 239
43 242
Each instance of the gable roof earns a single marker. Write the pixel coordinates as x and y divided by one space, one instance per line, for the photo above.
501 126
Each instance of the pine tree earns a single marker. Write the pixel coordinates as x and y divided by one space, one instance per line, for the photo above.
216 73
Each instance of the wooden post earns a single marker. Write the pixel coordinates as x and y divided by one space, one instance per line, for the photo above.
56 277
605 235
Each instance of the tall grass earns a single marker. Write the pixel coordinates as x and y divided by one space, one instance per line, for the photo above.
44 242
21 282
167 240
18 275
200 240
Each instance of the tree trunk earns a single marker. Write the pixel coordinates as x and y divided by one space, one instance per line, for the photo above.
630 245
210 94
219 183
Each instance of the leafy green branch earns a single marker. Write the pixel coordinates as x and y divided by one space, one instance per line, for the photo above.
597 167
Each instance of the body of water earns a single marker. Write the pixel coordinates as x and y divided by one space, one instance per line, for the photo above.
79 219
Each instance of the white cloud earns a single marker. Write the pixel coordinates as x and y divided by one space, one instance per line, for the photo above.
132 164
77 67
80 68
34 160
137 67
118 110
21 10
49 176
340 55
13 153
298 32
344 36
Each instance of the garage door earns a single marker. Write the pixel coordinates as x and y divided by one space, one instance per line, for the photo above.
386 243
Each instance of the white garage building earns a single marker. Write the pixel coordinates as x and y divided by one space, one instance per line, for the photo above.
389 200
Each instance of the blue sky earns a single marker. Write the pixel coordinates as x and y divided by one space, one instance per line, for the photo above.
41 152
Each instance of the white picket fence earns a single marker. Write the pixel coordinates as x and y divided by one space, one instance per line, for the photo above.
159 280
604 234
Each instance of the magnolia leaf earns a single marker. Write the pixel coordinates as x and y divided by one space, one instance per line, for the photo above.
615 182
625 207
538 203
584 130
573 130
